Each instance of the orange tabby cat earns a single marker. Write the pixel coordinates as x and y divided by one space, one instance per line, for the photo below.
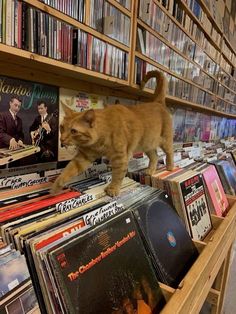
116 132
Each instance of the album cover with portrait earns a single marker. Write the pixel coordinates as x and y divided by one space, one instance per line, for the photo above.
77 101
107 270
28 123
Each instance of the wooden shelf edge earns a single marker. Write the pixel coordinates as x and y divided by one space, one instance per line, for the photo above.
184 103
14 55
200 277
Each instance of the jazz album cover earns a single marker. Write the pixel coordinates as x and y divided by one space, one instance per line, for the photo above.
168 238
107 270
28 123
77 101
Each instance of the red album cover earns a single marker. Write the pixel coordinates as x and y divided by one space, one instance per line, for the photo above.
14 213
56 236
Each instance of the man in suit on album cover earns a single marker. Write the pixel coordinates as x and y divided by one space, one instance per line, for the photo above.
11 133
44 133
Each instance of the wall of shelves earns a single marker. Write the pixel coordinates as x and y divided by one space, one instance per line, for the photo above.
225 106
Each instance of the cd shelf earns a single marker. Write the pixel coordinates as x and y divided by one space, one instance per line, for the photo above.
115 85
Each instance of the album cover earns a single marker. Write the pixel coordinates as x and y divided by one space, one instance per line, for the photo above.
12 274
77 101
109 251
28 123
215 190
227 174
168 238
21 300
196 206
39 206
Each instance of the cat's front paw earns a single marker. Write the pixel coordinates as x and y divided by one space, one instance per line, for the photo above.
112 190
57 186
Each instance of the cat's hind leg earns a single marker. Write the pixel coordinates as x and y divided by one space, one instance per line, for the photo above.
119 165
167 146
152 155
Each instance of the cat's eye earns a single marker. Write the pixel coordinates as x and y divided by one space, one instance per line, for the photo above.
73 131
61 128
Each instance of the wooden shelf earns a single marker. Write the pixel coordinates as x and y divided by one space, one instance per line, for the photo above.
197 285
160 37
199 23
161 67
211 18
30 66
181 27
12 55
120 7
65 18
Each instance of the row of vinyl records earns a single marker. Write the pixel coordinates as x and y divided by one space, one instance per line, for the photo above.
160 21
216 163
191 126
183 90
72 240
109 235
156 50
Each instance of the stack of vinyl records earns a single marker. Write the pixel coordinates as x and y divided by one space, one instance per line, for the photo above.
72 240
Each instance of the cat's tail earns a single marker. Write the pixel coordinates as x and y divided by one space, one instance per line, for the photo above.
161 85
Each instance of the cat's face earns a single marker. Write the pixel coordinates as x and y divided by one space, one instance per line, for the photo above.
78 128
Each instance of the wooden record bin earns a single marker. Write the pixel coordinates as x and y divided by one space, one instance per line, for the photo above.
207 278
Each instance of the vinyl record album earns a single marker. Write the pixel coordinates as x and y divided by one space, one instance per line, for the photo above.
171 245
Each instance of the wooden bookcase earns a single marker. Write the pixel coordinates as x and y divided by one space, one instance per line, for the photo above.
27 65
207 278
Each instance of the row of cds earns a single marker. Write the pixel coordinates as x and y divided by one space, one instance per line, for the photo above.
183 90
110 21
43 34
94 54
73 8
155 17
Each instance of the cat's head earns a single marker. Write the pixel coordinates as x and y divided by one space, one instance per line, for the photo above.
78 128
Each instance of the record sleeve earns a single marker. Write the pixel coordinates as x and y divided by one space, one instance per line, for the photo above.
170 243
98 272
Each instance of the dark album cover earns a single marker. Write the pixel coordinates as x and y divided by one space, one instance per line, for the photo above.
171 245
28 123
107 270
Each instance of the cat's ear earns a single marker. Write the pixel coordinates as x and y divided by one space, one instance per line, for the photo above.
89 117
66 109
